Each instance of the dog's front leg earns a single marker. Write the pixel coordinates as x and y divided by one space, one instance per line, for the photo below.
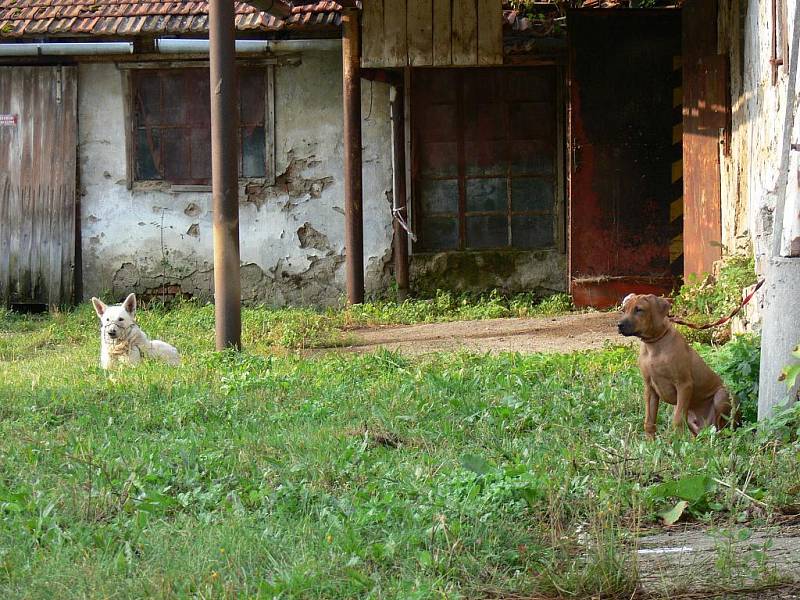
651 401
105 359
134 356
680 418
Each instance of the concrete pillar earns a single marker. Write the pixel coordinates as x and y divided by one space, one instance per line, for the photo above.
780 332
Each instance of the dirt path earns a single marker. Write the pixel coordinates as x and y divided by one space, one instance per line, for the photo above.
566 333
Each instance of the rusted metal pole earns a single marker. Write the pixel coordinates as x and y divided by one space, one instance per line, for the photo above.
225 175
353 196
399 205
774 60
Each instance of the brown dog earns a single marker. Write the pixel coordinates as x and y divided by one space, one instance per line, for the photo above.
672 370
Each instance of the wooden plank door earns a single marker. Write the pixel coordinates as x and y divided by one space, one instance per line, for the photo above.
38 118
622 156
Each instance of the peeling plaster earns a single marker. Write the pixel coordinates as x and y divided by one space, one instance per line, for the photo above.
291 233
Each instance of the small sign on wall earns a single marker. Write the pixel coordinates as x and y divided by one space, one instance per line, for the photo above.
8 120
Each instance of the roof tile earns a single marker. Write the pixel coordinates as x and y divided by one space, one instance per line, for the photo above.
21 18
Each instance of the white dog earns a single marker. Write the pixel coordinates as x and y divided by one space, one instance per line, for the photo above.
121 340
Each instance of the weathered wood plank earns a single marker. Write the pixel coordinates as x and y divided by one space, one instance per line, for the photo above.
373 40
490 32
396 43
67 235
13 233
442 34
39 261
25 220
420 33
5 193
465 32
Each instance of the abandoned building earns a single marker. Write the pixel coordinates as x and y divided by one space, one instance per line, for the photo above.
593 151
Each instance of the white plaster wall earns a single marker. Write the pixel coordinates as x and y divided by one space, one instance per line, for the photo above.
734 162
292 236
768 118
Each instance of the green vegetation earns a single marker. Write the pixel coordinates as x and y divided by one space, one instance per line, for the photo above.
710 298
738 364
263 474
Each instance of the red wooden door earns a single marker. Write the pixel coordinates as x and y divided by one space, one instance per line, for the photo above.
622 154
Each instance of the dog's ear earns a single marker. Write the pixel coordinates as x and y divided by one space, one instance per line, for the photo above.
99 307
664 305
626 300
130 304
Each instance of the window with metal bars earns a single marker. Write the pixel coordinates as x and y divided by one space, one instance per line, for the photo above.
484 158
172 125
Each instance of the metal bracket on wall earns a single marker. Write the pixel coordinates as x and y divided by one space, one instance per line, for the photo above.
575 157
59 86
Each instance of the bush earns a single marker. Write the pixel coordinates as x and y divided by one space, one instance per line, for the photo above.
738 363
711 298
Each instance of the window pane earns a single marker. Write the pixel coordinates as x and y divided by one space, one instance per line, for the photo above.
487 195
254 161
148 154
175 99
251 96
532 231
198 99
148 98
486 158
532 120
531 158
439 233
439 123
484 121
439 196
487 231
201 154
438 159
532 193
176 155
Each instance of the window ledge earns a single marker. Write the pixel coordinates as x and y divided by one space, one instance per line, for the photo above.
177 188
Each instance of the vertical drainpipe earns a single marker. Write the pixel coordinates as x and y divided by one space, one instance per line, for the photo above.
399 195
225 175
353 196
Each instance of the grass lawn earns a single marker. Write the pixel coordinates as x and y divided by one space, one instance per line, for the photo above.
263 474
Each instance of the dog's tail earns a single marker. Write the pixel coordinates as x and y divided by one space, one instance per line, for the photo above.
165 352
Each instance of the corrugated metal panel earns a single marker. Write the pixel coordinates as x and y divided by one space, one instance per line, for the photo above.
621 187
705 77
37 184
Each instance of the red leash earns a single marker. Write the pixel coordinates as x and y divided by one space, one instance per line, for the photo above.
680 321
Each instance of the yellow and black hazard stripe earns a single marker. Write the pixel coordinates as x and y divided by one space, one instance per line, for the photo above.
676 203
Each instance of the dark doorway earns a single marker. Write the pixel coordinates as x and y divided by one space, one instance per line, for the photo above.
625 185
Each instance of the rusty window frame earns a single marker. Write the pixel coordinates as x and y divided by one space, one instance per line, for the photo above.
132 76
462 178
